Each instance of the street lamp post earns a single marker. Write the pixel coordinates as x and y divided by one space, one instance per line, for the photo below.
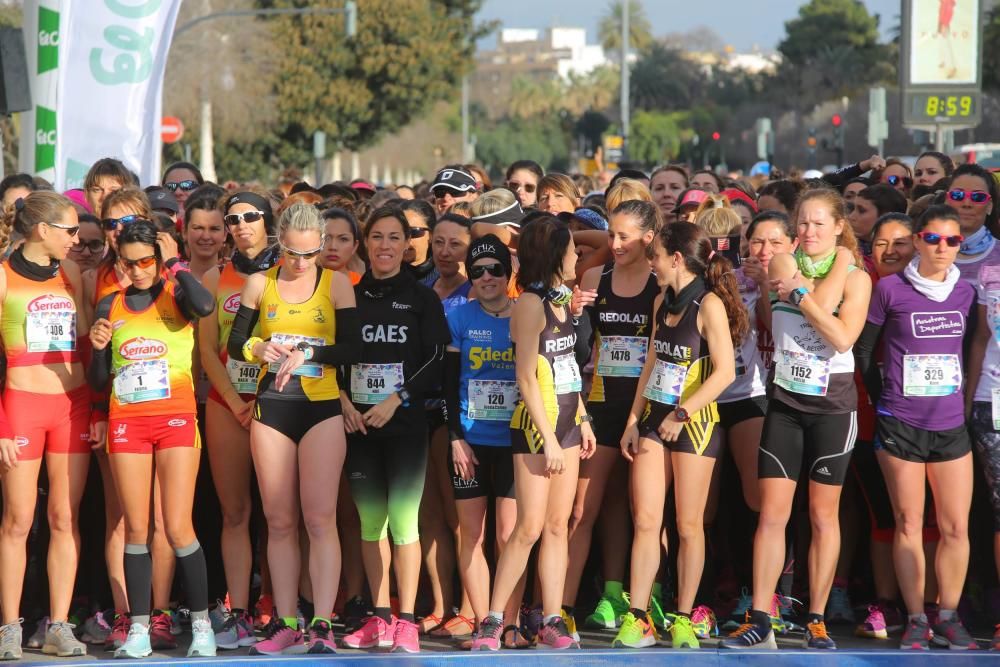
624 80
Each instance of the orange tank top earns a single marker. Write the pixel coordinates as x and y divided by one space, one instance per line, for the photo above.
38 323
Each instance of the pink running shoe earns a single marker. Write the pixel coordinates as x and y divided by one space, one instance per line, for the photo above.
555 635
406 638
874 626
119 632
321 638
279 639
488 637
373 633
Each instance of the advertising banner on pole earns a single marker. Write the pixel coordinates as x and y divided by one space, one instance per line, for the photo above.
41 47
113 54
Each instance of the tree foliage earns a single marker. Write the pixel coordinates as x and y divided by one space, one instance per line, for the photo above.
656 137
823 25
640 32
542 139
406 54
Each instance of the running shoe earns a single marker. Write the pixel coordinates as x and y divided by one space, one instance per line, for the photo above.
952 634
177 617
119 632
237 631
783 615
570 622
488 636
608 613
10 640
682 634
37 639
874 626
406 638
321 638
356 610
838 608
137 644
218 615
817 637
916 636
202 639
739 613
661 619
532 619
60 641
635 633
555 635
750 636
263 612
161 637
279 639
96 629
703 622
373 633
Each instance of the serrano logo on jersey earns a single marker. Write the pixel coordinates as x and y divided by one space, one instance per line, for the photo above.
480 355
142 348
561 343
50 303
232 304
384 333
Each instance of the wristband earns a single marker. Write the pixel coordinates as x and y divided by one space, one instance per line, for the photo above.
174 265
248 348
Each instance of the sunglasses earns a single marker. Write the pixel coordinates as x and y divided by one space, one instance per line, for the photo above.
113 223
186 186
233 219
142 262
931 238
515 186
896 180
496 270
295 254
975 196
94 246
72 231
441 193
418 232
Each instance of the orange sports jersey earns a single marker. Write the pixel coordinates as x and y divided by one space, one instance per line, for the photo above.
106 282
39 320
227 303
151 355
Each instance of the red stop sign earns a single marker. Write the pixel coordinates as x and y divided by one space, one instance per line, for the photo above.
171 129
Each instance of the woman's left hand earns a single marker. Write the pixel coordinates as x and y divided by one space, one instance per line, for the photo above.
581 299
588 445
379 415
292 361
670 428
785 286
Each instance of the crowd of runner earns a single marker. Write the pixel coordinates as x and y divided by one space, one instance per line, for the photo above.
679 403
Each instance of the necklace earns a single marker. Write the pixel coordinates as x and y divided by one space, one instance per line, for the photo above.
496 313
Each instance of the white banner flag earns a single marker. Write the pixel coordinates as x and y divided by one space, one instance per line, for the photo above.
113 56
41 49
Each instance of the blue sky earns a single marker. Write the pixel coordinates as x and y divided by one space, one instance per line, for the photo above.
741 23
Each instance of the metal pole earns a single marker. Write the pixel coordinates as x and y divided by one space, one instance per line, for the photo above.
939 139
465 119
624 79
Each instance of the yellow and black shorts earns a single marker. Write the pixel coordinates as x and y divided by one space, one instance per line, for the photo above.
525 437
697 437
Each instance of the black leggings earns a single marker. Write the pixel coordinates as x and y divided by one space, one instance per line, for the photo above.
987 442
386 475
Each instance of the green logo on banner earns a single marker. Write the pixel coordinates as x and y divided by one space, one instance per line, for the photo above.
45 139
48 40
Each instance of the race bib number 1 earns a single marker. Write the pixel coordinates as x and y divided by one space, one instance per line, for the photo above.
142 381
373 383
802 373
931 374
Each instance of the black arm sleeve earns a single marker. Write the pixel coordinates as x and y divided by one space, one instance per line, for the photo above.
428 375
347 348
99 371
864 354
243 324
584 344
195 301
452 373
841 176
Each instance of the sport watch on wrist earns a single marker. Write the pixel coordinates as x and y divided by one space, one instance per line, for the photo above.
681 415
586 418
306 349
796 295
404 396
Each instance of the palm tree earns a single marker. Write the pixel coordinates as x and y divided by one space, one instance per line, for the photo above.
640 32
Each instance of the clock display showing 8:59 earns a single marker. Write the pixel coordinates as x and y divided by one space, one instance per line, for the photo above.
958 108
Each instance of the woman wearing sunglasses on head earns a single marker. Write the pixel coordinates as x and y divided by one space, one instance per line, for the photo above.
119 209
920 317
181 178
481 392
308 328
550 432
895 174
143 341
45 412
404 335
973 193
229 408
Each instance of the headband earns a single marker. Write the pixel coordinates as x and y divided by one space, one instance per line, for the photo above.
252 198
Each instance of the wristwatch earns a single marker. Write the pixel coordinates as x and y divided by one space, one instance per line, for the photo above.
796 295
586 418
404 396
681 415
306 349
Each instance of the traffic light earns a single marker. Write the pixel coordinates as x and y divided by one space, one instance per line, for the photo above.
836 121
716 136
811 141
